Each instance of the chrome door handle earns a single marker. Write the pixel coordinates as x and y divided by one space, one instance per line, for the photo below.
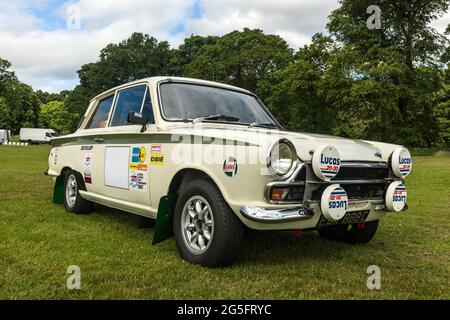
99 140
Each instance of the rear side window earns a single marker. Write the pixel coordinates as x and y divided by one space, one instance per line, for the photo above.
100 117
128 100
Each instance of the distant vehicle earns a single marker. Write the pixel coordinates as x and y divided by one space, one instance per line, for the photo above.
5 136
36 135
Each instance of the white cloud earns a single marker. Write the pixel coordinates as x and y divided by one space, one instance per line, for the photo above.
294 20
48 57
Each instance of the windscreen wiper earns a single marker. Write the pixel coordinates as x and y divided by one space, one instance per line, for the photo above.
216 117
264 125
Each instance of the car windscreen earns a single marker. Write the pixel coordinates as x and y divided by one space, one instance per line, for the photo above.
182 101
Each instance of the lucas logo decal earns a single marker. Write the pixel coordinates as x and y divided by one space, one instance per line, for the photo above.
405 163
326 162
230 166
338 199
399 194
334 202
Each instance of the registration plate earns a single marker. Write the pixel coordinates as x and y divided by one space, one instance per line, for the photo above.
349 218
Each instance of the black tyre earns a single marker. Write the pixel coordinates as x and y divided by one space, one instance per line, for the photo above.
73 202
355 233
206 230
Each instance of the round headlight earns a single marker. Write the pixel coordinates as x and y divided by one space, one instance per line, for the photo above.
281 159
401 162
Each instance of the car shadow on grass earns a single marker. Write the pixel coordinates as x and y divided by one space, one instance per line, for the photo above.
259 247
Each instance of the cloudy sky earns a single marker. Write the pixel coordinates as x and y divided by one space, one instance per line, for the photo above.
47 45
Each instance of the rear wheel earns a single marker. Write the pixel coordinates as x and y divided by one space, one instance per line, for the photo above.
355 233
73 202
206 230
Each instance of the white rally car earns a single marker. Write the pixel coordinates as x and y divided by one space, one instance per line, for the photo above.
207 160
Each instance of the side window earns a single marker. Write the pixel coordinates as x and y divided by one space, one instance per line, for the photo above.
48 135
148 109
127 100
100 117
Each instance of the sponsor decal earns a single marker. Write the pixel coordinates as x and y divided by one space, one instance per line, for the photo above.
87 148
401 162
326 162
405 163
55 156
138 176
396 196
334 202
230 166
156 155
138 180
87 167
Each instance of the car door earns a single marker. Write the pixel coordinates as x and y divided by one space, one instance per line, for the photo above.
92 150
126 156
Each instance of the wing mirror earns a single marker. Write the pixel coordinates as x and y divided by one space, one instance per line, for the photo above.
138 118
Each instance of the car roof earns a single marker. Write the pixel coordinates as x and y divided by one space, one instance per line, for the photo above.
156 80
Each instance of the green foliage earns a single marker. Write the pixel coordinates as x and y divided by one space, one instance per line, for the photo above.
387 84
383 83
56 116
248 59
442 111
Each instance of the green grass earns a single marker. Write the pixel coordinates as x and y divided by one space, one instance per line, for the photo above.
39 240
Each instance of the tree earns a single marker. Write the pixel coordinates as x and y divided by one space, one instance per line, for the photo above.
249 59
298 99
383 82
55 115
442 111
188 51
138 57
6 118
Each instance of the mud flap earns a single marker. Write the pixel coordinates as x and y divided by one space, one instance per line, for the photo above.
164 218
58 191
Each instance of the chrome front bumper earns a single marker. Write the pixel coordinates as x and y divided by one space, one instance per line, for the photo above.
276 215
300 212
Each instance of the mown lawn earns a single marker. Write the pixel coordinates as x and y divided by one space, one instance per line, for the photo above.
39 240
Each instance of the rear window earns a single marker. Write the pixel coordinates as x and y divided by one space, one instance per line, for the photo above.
101 114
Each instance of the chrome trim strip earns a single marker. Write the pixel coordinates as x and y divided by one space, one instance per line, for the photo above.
359 164
276 215
362 181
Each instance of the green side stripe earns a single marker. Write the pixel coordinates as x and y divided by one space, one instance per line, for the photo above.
143 138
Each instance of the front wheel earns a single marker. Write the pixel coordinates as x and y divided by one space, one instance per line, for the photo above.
73 202
355 233
206 230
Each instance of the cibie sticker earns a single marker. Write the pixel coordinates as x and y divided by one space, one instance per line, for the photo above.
156 155
326 162
396 196
230 166
334 202
401 162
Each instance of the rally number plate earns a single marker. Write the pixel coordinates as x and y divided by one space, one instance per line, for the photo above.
349 218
